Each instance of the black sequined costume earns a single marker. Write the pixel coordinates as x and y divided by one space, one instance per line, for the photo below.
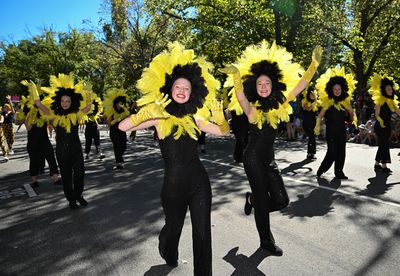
264 178
309 121
186 184
70 160
335 121
384 133
39 148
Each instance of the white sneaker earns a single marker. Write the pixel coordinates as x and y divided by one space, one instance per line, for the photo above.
6 158
10 151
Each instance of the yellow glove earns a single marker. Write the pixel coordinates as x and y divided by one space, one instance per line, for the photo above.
355 121
32 89
316 59
155 110
88 97
317 128
380 120
237 80
217 111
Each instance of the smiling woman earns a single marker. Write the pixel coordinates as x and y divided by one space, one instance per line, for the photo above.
34 16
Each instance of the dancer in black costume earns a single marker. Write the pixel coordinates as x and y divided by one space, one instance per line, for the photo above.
38 146
92 132
178 117
264 98
386 102
335 89
68 104
309 106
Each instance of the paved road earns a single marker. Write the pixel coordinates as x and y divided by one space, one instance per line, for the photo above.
331 227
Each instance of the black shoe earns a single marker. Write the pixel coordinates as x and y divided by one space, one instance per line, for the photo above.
341 176
272 248
247 205
101 156
73 205
170 262
58 182
377 167
35 184
82 201
386 170
118 167
319 173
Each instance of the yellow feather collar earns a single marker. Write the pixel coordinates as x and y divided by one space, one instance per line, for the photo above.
291 71
183 125
375 91
272 117
322 81
108 105
153 77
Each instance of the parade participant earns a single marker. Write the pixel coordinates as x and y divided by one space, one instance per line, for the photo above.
310 105
3 147
66 104
116 108
335 89
270 82
240 128
383 94
8 123
92 128
38 146
178 91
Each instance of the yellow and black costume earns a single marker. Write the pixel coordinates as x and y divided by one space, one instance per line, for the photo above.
309 106
66 121
116 108
268 191
39 146
383 127
186 182
92 132
336 114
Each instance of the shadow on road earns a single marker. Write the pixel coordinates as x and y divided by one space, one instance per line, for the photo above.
245 265
318 202
158 270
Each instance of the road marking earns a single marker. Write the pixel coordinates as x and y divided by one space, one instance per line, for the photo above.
316 185
29 190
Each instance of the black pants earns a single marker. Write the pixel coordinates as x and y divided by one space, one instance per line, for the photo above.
40 149
383 153
70 161
336 140
311 145
119 140
199 203
92 133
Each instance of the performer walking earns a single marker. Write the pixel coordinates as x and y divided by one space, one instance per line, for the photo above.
116 108
92 132
335 88
270 82
179 114
310 105
38 146
383 94
67 104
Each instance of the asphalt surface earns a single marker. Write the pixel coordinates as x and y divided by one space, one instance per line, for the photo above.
331 227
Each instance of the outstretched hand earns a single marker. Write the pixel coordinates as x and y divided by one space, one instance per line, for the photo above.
229 69
162 100
317 54
217 111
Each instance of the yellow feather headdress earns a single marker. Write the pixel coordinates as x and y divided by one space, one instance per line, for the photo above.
290 70
375 91
97 108
154 78
321 86
65 85
109 111
306 104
